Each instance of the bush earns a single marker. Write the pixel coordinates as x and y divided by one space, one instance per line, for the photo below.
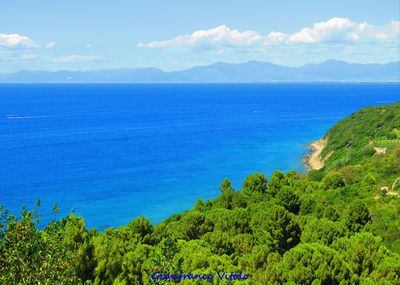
315 175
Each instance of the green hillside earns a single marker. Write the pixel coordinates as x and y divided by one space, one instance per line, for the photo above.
337 225
353 139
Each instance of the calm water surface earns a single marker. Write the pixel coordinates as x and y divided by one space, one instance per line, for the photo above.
113 152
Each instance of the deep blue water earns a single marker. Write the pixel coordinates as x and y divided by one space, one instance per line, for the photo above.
113 152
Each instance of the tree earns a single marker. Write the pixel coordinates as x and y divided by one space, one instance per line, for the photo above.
199 206
255 183
191 226
30 256
310 264
330 213
276 228
239 200
332 181
140 226
132 265
358 216
243 243
226 187
225 200
276 182
76 240
322 231
194 254
369 259
289 200
307 205
220 242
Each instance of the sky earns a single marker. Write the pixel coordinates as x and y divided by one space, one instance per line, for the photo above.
176 34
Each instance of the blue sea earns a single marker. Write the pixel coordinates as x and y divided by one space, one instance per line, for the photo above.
114 152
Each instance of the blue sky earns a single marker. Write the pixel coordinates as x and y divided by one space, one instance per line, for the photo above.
90 35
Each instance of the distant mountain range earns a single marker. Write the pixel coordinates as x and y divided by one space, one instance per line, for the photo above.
249 72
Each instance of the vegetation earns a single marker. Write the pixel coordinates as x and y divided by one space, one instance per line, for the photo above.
330 226
353 139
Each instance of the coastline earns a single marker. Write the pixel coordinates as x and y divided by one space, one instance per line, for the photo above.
313 159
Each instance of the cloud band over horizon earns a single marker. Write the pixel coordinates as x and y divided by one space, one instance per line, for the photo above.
335 30
336 38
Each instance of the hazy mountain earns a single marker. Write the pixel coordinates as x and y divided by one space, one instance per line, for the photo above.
249 72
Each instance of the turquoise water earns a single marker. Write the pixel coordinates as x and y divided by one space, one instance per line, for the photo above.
113 152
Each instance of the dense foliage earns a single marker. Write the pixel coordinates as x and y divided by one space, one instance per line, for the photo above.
331 226
353 139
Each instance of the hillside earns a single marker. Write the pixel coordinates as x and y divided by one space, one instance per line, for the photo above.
357 141
248 72
354 138
337 225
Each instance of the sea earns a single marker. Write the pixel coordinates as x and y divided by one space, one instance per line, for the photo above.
113 152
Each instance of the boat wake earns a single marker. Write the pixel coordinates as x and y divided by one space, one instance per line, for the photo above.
21 117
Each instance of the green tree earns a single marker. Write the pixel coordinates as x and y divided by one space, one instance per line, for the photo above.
322 231
275 227
133 271
276 182
220 242
30 256
225 200
199 206
369 259
332 181
226 187
358 216
255 183
289 200
310 264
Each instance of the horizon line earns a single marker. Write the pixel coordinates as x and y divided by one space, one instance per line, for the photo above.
195 66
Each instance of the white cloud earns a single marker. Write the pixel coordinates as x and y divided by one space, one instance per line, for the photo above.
323 31
335 30
274 37
15 41
344 30
218 35
50 45
76 58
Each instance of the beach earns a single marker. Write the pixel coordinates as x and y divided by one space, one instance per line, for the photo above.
313 160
